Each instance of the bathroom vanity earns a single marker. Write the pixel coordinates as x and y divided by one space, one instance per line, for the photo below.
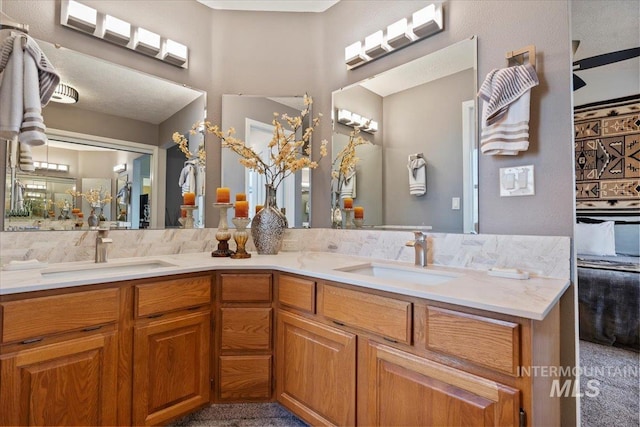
128 345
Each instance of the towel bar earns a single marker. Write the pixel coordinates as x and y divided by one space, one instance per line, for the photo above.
530 51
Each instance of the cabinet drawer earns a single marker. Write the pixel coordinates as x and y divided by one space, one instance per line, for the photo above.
385 316
245 287
297 293
36 317
482 340
169 295
245 378
245 328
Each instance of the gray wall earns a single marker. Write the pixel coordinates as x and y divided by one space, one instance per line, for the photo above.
283 53
434 129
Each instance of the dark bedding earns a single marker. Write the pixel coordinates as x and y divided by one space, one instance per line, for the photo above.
609 306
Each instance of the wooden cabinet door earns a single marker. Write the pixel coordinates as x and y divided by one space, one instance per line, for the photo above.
316 371
66 383
171 367
405 390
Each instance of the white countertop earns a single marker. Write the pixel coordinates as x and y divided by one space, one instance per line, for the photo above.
532 298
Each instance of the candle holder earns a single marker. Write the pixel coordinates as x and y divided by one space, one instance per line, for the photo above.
348 220
222 235
241 236
188 220
359 222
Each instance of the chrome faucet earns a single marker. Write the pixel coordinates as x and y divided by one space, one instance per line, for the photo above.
420 246
102 245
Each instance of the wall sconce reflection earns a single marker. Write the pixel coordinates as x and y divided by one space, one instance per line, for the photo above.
424 23
106 27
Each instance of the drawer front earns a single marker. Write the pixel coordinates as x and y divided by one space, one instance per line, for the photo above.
245 287
245 328
384 316
37 317
482 340
245 378
170 295
297 293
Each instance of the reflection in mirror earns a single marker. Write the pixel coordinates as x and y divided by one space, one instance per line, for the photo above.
424 107
251 117
118 132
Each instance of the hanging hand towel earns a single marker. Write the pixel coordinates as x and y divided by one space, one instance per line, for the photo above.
505 111
417 176
349 186
28 82
187 178
26 160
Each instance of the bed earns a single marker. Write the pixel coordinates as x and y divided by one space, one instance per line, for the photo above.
609 281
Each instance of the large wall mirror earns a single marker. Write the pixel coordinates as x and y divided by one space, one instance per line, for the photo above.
251 117
114 143
425 109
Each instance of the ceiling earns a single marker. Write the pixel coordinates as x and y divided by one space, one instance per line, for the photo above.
108 88
271 5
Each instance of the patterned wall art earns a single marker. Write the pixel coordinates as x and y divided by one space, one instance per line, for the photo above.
607 156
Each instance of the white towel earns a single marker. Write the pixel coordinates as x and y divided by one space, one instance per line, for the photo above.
28 81
505 111
26 160
187 178
11 97
417 177
510 134
349 186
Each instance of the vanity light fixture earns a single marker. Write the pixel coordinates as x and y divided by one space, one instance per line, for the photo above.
116 30
80 16
375 45
51 166
354 56
147 42
120 168
348 118
398 34
175 53
88 20
424 23
65 94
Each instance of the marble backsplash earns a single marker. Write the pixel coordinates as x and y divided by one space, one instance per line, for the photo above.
547 256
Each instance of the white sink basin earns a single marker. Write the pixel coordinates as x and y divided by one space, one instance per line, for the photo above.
404 274
100 269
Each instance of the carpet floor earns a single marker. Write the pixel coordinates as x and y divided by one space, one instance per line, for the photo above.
241 415
614 400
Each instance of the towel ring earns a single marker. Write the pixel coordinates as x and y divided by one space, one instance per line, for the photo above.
529 50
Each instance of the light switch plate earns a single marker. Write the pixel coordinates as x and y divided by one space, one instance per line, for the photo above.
517 181
455 203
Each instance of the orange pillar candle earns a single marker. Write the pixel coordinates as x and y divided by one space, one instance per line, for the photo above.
222 195
241 197
358 212
258 208
348 202
242 209
189 199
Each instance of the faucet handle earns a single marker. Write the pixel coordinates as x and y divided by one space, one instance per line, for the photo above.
103 232
419 235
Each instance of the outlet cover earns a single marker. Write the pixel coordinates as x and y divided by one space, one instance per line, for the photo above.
517 181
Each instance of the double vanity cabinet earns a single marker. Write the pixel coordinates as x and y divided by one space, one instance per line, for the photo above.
147 351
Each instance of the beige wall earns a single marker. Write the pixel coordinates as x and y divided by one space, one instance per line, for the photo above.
288 54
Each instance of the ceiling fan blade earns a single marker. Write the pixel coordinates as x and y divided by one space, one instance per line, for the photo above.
578 83
606 58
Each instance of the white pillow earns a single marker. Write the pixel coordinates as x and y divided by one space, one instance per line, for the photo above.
595 239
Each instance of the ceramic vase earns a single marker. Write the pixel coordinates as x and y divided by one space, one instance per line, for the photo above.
269 225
